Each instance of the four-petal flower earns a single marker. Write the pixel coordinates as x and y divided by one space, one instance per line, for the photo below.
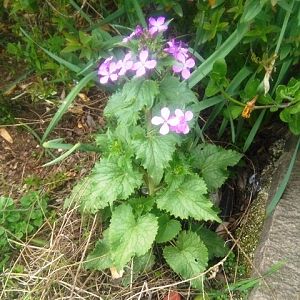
141 66
183 66
158 25
165 120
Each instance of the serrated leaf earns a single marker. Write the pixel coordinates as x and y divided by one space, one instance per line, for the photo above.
212 161
187 199
214 243
110 180
126 104
129 236
188 257
155 152
167 230
172 92
99 258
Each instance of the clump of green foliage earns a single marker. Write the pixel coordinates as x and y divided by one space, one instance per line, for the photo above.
19 220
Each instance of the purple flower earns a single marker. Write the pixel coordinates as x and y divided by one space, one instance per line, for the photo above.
108 71
183 118
183 66
105 65
125 64
176 48
136 33
141 66
156 26
165 120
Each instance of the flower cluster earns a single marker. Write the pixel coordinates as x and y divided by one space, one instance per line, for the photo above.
137 64
176 123
183 61
111 70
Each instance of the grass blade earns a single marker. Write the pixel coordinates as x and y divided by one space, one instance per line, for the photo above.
254 130
58 144
60 60
63 156
221 52
284 182
206 103
67 102
139 12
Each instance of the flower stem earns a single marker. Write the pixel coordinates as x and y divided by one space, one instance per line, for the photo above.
228 97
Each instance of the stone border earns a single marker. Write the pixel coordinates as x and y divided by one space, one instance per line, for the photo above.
280 238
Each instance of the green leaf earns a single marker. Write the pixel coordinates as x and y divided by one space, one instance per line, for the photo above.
187 199
129 236
140 265
219 69
110 180
168 229
212 88
251 9
99 258
155 151
294 124
172 92
212 161
214 243
233 111
126 104
188 257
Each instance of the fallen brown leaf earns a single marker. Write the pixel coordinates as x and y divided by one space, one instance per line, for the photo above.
4 133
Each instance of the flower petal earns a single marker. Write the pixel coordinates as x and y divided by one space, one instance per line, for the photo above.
140 72
186 129
190 63
113 77
188 116
173 121
143 56
150 64
136 66
180 57
160 21
157 120
185 73
152 21
165 113
179 113
153 30
104 79
164 129
177 68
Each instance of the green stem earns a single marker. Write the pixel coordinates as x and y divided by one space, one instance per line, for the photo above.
228 97
271 106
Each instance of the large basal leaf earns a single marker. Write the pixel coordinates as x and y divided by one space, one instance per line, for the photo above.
168 229
214 243
129 236
188 257
212 161
99 259
155 152
110 180
126 104
187 200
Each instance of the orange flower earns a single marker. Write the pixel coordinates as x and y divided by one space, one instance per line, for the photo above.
249 108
